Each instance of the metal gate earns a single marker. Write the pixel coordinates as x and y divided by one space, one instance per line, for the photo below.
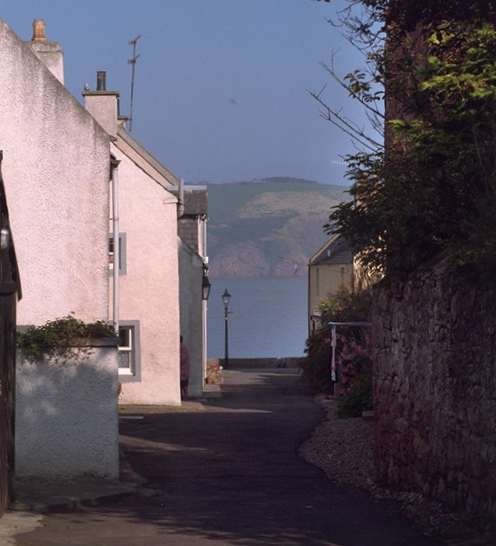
9 293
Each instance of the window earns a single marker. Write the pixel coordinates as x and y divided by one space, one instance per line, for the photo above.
122 253
129 351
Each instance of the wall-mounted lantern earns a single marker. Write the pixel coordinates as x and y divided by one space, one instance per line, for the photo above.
4 238
205 285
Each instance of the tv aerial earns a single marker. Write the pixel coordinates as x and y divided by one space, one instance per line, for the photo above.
132 61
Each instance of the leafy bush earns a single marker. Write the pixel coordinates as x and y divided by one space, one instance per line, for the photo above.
344 307
358 399
316 366
56 337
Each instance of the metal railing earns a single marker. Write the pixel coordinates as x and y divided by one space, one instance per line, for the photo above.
334 325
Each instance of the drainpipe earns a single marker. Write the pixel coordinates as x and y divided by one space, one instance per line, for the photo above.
115 235
180 199
204 307
204 238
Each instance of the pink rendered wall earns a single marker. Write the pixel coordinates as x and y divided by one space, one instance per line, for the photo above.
56 165
149 291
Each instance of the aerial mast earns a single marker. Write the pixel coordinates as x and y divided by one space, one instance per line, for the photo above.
132 62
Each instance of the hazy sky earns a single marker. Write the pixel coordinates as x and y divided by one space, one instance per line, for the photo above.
220 85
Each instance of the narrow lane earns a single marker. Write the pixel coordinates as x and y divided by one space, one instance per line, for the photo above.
228 472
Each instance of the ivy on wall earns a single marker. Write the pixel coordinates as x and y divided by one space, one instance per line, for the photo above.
57 338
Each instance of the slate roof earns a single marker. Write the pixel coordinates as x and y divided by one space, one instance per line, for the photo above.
335 251
195 200
162 174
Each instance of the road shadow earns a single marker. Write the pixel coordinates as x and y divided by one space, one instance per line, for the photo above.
229 473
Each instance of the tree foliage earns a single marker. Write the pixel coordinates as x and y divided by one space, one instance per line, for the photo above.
433 189
343 307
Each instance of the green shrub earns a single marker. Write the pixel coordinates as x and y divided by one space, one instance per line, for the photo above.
316 366
358 399
56 337
344 307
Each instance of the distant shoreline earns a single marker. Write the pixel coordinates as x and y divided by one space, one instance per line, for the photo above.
258 277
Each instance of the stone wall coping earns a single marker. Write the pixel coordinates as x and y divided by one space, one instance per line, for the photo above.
94 342
101 341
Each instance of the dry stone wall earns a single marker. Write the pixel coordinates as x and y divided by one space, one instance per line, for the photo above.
435 386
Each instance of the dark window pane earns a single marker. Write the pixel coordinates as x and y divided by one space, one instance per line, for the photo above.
125 360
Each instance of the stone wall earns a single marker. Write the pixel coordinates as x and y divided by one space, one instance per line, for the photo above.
435 386
214 372
259 363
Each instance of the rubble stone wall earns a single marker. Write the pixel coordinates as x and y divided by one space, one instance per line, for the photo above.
435 386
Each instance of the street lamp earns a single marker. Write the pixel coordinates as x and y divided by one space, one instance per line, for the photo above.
226 298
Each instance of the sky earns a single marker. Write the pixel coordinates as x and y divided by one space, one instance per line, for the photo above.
221 85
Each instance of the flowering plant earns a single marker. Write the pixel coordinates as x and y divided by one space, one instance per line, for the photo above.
353 360
353 343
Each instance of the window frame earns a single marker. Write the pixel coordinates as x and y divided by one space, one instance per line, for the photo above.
122 253
133 373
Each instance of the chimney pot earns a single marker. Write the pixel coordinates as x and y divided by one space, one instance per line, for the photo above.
39 31
101 80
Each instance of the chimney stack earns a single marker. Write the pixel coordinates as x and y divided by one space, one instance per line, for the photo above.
101 80
103 105
49 53
39 31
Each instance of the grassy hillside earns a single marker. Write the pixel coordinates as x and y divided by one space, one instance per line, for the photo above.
267 228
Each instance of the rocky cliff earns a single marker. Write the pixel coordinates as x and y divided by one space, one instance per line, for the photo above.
267 228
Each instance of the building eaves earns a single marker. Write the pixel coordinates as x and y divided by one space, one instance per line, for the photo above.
146 161
324 247
335 250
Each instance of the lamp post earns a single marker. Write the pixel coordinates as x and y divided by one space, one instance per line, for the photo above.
204 328
226 298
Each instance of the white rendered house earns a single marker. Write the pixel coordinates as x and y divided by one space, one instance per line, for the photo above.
57 171
145 300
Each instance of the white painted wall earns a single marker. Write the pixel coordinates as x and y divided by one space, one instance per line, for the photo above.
190 282
66 416
149 291
52 56
56 171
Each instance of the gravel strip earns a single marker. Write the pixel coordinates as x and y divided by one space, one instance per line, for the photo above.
344 449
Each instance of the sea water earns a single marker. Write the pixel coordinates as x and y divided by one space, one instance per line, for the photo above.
267 317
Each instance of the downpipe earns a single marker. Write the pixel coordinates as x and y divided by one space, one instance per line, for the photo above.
115 235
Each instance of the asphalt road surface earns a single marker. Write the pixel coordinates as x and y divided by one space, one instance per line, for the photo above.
227 472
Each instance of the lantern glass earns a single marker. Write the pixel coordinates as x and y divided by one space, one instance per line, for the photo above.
205 287
226 298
